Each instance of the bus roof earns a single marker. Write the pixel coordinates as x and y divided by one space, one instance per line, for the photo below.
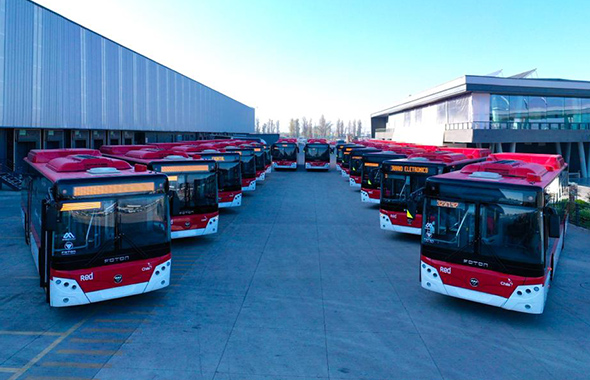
219 156
142 155
382 156
526 169
363 151
56 164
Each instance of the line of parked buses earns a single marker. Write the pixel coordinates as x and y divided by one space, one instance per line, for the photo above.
99 223
492 226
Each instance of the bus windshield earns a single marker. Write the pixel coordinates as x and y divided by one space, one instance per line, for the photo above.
317 152
259 160
108 227
248 166
371 176
506 233
398 187
284 152
229 176
356 164
195 192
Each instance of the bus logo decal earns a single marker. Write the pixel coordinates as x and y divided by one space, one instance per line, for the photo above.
118 278
68 236
87 277
506 283
474 282
445 270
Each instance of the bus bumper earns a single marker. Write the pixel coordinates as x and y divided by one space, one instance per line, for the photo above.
72 294
525 298
269 169
309 166
230 200
249 185
353 183
292 165
368 196
386 224
205 224
260 176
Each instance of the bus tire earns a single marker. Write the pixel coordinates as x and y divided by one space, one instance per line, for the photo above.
47 295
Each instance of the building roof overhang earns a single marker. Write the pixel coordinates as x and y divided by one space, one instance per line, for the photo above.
488 84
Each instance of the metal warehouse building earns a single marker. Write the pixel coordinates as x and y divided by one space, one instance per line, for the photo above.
62 85
517 114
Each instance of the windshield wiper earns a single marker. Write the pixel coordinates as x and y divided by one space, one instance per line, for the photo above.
135 246
493 255
101 250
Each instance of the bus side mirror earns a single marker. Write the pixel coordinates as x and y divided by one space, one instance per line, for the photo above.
554 226
50 221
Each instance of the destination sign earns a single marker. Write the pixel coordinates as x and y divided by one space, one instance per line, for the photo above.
372 164
413 169
447 204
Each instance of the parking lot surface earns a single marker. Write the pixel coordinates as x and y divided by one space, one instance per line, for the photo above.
299 283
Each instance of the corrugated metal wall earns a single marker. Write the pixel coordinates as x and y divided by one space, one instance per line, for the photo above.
57 74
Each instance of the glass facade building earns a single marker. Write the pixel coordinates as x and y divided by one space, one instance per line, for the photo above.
539 112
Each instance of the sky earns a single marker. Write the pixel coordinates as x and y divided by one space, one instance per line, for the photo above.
340 58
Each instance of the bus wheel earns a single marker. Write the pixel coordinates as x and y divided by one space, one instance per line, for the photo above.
47 295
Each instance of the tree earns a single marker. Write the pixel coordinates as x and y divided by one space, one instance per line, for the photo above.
277 127
257 127
359 129
340 129
264 127
294 127
306 128
324 128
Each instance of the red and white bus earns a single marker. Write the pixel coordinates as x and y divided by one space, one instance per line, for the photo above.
371 174
193 186
356 165
284 154
345 161
403 183
248 165
259 159
317 154
229 177
340 154
98 228
493 231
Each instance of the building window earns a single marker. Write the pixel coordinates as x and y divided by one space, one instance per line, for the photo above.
539 112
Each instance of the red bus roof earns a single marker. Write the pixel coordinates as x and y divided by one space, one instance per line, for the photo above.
41 156
513 168
294 141
440 156
317 141
56 164
469 152
122 149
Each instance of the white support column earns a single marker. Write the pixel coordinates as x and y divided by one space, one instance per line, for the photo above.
513 147
568 152
499 148
558 148
582 154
